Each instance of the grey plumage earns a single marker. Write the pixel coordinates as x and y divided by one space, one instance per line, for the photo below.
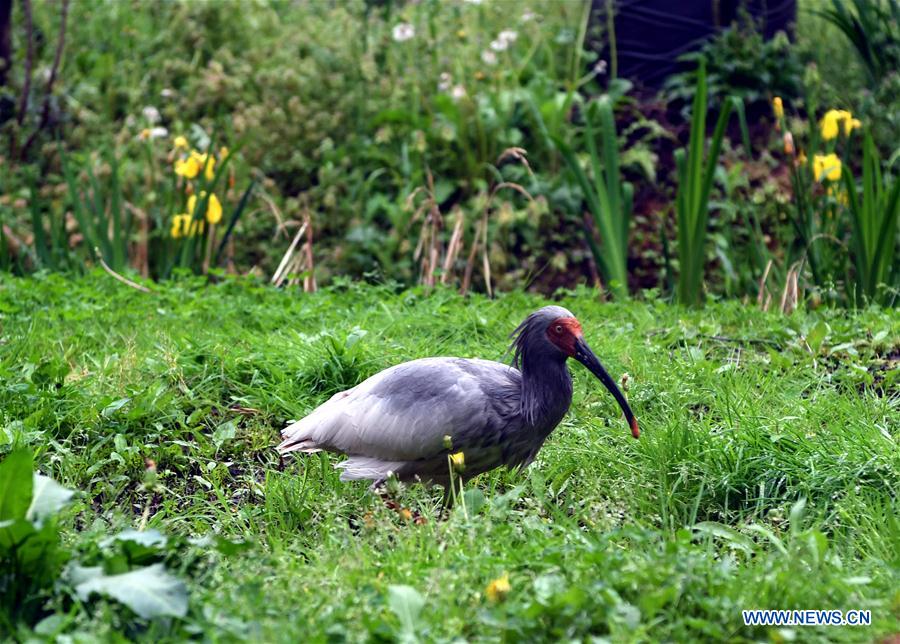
396 422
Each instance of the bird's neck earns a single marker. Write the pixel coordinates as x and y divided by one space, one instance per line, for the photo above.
546 393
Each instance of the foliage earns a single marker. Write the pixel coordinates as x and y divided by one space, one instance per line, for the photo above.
832 215
740 62
31 556
873 28
874 214
333 113
609 198
696 169
168 405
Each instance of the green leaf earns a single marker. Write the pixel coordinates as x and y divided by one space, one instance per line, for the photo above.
149 592
145 538
224 433
16 485
49 497
473 498
407 603
729 534
114 406
816 336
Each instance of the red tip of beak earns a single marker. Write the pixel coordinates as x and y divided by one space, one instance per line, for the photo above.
634 428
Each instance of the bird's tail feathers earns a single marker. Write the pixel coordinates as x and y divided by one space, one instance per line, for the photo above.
297 440
359 468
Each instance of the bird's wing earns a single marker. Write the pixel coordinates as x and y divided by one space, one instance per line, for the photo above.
405 412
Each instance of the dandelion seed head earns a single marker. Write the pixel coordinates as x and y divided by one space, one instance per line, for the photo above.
403 32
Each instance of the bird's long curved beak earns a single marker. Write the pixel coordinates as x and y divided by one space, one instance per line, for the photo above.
585 356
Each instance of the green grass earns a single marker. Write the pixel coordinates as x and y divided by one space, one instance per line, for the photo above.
744 414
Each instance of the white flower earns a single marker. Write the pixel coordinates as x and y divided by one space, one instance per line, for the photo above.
167 93
528 16
403 32
488 57
153 133
600 67
474 1
445 81
151 114
508 36
458 92
499 45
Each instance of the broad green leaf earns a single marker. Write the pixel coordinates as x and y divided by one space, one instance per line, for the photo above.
149 592
49 497
474 500
407 603
113 407
148 538
816 336
16 485
224 433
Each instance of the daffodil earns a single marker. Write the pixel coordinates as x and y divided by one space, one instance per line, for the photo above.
458 461
831 123
181 143
498 589
827 167
778 107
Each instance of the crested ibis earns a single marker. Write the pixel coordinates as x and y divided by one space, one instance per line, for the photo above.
406 420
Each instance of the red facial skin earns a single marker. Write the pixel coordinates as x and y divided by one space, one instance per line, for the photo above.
563 332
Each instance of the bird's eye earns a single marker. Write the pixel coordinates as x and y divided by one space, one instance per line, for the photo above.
559 328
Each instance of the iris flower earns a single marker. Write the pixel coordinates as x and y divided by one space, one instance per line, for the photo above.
778 107
213 207
830 124
827 167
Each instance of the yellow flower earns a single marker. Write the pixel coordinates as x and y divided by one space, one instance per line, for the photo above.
458 461
778 107
184 226
827 167
498 589
223 153
213 210
145 134
181 143
188 168
830 124
213 207
201 160
461 34
179 225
